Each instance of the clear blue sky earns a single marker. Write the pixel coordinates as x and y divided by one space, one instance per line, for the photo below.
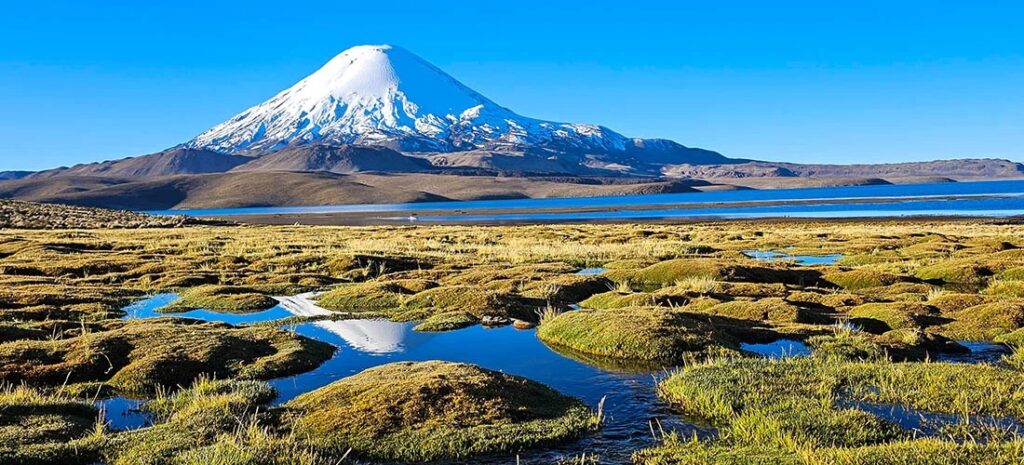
796 81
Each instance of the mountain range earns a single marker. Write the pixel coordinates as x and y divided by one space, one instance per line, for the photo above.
381 109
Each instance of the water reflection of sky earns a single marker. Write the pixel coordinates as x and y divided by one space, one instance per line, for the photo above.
774 256
631 404
630 407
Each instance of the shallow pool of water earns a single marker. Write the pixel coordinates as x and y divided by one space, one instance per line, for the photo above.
980 352
147 308
631 406
781 348
123 414
591 271
804 260
928 423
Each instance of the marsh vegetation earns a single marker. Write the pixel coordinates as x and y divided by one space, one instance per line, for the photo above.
680 299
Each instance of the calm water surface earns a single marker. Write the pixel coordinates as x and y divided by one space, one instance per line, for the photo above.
806 260
990 198
631 406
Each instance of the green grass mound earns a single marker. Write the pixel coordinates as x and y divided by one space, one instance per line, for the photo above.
1005 288
719 390
860 279
885 316
566 289
472 300
666 273
1012 339
416 412
141 356
88 302
226 299
1012 274
846 345
36 428
902 291
836 300
372 295
642 334
793 411
986 321
192 424
769 309
924 451
759 290
616 299
447 322
952 302
953 272
364 266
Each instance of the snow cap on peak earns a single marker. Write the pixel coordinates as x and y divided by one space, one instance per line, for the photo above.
382 94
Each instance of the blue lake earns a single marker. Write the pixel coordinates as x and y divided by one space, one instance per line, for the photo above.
989 198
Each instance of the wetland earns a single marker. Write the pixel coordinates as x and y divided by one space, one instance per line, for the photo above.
717 342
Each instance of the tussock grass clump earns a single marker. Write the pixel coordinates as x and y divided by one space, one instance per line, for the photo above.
950 303
885 316
227 299
668 272
365 266
38 428
986 321
447 322
770 309
1012 274
1005 288
373 295
860 278
640 334
141 356
616 299
566 289
192 421
1012 339
469 299
925 451
793 411
956 271
845 344
833 300
435 411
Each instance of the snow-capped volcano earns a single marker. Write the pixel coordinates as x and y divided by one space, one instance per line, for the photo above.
385 95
